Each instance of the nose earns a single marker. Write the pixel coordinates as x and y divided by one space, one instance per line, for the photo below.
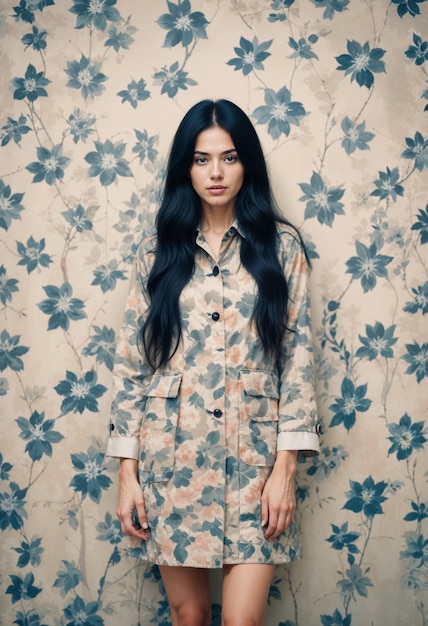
216 170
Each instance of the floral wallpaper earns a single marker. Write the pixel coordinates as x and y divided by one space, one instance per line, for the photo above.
91 94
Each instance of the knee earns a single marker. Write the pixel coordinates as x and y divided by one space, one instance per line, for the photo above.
189 615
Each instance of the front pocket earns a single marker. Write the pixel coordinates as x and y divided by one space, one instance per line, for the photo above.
159 426
258 417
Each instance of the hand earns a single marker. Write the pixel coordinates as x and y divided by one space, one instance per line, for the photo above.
131 510
279 495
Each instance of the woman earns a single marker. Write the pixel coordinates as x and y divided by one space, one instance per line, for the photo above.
214 392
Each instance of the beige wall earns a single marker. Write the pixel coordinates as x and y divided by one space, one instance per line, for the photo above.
61 553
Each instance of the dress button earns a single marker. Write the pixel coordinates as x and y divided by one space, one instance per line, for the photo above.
318 429
216 271
215 316
111 427
218 413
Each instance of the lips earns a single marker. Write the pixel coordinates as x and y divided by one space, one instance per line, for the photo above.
216 188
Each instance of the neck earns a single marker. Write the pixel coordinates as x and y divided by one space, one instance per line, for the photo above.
216 221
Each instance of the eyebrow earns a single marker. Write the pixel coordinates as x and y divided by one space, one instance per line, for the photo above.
224 152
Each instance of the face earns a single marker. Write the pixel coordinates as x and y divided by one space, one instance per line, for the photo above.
216 173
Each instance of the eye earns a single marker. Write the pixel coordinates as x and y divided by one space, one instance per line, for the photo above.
231 158
200 160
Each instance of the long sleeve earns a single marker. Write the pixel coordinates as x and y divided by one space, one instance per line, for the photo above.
298 422
130 370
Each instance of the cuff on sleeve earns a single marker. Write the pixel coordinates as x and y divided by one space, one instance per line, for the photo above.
303 441
123 447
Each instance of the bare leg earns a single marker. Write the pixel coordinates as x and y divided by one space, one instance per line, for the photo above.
187 589
245 594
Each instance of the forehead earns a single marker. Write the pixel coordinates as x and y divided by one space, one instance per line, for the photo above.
214 140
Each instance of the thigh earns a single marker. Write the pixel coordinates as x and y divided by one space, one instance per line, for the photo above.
245 593
188 593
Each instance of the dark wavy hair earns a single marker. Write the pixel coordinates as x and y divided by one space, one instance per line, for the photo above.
177 221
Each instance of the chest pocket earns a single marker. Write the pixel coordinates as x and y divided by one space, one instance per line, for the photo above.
159 426
258 416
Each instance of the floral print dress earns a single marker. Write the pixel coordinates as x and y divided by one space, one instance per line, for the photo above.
206 427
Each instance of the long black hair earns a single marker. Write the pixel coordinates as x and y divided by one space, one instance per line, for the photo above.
177 221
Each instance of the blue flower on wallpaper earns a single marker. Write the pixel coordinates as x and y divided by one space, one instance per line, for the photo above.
78 218
8 286
14 129
416 550
80 612
61 306
327 462
280 6
356 137
417 149
68 578
86 76
250 55
120 37
387 185
407 6
336 619
420 300
421 224
368 265
95 13
419 51
106 276
418 513
182 25
144 147
26 8
5 468
11 352
279 112
406 437
343 539
378 342
12 507
172 79
80 394
81 124
417 357
36 39
303 48
366 497
345 408
109 530
361 62
90 479
32 255
355 583
39 434
134 93
30 553
107 162
102 345
50 166
23 588
32 86
10 205
322 202
331 6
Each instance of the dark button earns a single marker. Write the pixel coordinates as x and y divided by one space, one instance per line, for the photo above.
111 427
318 429
215 316
218 413
216 271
